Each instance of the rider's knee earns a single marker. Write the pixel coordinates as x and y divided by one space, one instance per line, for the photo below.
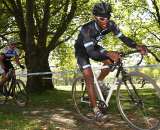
88 74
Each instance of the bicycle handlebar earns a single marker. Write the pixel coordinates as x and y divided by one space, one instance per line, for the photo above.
124 54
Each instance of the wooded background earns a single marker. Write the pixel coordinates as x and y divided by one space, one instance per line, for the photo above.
47 29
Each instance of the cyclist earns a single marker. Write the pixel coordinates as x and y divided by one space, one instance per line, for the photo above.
6 55
87 47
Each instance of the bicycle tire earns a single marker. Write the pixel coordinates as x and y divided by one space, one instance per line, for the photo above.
81 100
20 94
130 107
3 98
5 92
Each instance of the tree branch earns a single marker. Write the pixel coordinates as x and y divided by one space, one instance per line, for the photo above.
30 24
37 18
43 32
7 6
66 39
157 11
8 33
56 10
63 25
152 33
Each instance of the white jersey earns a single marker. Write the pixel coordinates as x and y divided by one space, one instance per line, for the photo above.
9 53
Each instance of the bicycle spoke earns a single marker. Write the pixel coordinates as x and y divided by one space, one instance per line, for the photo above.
81 100
20 96
2 96
138 102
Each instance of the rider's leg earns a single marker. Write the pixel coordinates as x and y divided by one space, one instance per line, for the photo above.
89 79
104 72
85 67
3 79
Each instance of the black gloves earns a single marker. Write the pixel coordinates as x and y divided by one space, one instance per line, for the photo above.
22 67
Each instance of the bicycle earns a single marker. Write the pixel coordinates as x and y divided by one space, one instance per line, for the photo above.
137 97
14 89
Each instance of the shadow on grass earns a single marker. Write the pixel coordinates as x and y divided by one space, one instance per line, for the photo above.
52 110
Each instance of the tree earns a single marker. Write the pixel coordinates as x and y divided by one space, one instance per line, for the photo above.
41 25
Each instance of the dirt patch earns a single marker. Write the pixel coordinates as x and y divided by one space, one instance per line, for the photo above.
69 120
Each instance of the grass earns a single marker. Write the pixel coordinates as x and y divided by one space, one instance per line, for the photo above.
36 113
53 110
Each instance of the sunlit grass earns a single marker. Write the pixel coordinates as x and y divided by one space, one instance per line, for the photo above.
41 111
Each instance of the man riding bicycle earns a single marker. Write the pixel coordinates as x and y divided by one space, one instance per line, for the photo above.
6 55
87 47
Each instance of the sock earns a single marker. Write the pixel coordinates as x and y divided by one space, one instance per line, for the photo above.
95 109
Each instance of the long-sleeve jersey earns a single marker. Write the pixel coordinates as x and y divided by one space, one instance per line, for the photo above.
90 34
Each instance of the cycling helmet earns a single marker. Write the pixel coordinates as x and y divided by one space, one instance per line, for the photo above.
12 41
102 9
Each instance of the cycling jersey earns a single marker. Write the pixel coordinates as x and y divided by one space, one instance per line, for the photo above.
86 45
8 54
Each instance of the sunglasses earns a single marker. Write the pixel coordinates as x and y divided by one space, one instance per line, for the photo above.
102 18
12 44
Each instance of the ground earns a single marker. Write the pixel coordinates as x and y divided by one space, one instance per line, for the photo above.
52 110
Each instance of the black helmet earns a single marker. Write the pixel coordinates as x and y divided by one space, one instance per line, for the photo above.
12 41
102 9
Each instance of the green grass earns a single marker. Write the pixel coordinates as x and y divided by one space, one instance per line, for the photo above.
51 110
36 113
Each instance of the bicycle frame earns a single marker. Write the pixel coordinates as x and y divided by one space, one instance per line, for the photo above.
98 89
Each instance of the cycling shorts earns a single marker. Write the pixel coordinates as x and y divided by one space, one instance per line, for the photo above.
83 60
7 64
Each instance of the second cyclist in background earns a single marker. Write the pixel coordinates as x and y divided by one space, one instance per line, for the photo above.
7 53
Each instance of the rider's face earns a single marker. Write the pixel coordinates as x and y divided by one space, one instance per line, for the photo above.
12 46
102 21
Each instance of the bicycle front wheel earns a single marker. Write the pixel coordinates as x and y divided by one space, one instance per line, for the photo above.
138 100
3 95
81 100
20 93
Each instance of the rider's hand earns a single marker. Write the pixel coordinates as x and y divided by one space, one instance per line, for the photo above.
142 49
21 66
114 55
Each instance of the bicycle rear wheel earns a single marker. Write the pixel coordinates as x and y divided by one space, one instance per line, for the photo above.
81 100
20 94
138 100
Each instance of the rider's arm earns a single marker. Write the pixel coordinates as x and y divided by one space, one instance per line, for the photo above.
128 41
17 60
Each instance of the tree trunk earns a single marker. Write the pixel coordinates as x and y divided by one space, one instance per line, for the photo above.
36 61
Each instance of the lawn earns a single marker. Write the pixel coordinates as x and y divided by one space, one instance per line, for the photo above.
53 110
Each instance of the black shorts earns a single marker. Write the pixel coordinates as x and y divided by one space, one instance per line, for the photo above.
83 59
8 65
